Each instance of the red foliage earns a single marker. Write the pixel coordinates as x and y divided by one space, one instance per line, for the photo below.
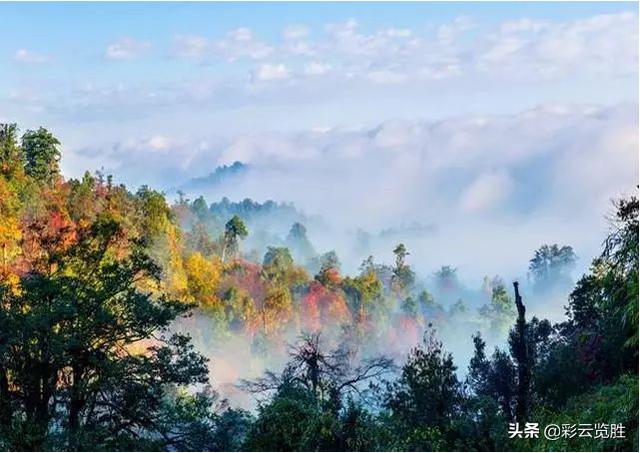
321 307
246 275
408 329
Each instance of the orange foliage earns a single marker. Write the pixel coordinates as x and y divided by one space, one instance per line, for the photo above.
321 307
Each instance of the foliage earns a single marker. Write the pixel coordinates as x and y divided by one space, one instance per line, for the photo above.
234 230
41 154
68 352
550 266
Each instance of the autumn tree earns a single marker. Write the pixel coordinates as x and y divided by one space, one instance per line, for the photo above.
329 269
363 292
203 278
69 370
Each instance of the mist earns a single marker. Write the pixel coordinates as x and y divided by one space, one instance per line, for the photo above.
477 194
471 185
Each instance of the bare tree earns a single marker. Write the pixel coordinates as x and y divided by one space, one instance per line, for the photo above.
325 373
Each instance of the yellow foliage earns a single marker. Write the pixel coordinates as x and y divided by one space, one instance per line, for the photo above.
9 223
203 277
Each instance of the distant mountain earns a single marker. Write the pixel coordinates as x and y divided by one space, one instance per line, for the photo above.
412 230
269 212
220 175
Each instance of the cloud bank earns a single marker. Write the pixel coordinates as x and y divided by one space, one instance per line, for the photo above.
489 183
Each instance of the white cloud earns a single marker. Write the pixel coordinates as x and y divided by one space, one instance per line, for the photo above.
486 191
295 32
398 32
386 77
25 56
126 49
269 72
315 68
449 32
523 50
159 143
298 48
241 43
190 46
237 44
602 44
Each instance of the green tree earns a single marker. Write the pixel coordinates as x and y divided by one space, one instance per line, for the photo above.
551 266
234 231
155 214
426 397
299 243
447 279
492 378
428 305
42 155
500 310
403 277
409 307
362 292
11 155
70 376
276 263
200 208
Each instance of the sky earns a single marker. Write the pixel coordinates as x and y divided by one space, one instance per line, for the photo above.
504 124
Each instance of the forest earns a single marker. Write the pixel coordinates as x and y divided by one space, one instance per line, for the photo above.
118 307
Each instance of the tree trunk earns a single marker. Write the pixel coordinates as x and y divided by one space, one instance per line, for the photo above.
521 354
5 399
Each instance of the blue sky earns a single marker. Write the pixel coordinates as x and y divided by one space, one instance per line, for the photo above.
489 114
64 49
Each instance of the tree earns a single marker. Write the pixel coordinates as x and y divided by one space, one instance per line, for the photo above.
621 255
401 254
42 155
500 311
84 350
520 350
458 308
427 395
10 208
403 277
550 267
199 422
327 374
234 230
329 260
361 292
429 306
598 342
447 279
203 278
154 212
200 208
11 155
276 263
409 307
276 307
299 244
281 425
329 269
